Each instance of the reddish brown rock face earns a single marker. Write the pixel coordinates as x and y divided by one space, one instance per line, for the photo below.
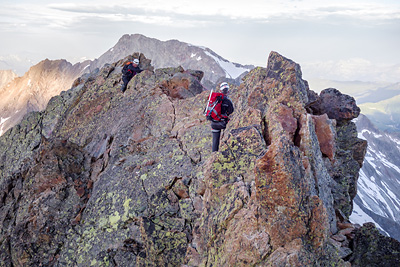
280 192
182 85
286 119
326 134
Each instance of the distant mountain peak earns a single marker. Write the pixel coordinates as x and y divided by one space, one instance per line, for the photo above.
173 53
32 91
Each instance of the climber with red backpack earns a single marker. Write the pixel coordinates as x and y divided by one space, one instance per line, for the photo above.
129 70
218 109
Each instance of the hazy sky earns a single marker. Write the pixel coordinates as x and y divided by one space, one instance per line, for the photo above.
336 39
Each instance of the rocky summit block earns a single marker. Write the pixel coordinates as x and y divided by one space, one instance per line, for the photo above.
104 178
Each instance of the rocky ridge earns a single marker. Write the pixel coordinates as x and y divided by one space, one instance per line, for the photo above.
101 178
49 77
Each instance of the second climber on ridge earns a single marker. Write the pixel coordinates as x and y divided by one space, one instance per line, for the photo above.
128 71
218 110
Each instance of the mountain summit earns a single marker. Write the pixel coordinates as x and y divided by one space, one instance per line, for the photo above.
174 53
101 178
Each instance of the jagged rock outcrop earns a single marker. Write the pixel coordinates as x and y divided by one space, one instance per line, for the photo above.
102 178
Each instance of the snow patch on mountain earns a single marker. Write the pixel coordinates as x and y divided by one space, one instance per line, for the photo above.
364 131
84 68
360 217
231 70
2 121
192 55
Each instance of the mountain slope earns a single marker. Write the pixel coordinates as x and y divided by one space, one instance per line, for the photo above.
380 94
173 53
48 78
384 114
6 76
378 196
17 63
363 92
32 91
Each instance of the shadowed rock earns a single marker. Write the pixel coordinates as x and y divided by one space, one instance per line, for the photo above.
336 105
372 249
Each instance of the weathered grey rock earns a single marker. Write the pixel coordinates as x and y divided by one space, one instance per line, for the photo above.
336 105
112 179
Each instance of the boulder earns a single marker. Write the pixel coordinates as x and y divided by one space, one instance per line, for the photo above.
336 105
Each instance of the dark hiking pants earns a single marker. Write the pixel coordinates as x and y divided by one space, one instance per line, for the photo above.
125 79
216 134
216 127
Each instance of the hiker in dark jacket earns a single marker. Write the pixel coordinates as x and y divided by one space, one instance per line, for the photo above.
128 71
226 110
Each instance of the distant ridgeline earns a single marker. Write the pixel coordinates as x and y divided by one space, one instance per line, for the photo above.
101 178
48 78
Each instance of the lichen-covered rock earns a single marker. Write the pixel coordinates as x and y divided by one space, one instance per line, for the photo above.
18 145
345 168
104 178
373 249
44 202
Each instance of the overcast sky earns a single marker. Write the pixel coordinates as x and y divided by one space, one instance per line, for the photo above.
336 39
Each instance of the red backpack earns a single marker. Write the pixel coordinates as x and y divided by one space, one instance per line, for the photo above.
213 110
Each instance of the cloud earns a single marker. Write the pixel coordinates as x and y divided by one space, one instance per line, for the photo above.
242 31
98 9
353 69
257 10
183 14
362 12
164 16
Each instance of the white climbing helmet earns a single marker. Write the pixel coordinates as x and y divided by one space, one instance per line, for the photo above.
224 87
136 61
